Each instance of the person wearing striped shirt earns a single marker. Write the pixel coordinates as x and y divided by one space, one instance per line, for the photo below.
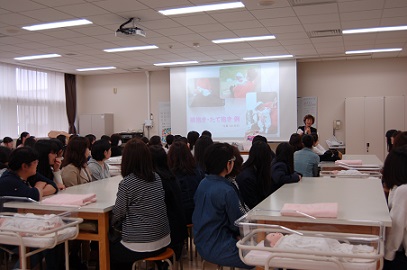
139 208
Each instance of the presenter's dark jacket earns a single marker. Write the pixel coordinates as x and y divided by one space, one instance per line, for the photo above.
313 130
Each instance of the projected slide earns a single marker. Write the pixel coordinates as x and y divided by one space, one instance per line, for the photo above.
234 102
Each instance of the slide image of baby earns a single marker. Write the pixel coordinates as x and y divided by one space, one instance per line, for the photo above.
204 92
262 113
236 82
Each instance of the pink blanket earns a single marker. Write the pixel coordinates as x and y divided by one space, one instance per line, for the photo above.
317 210
349 162
71 199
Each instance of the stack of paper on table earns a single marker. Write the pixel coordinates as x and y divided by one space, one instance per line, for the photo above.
70 199
316 210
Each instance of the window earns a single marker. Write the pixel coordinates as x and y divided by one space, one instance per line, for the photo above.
31 100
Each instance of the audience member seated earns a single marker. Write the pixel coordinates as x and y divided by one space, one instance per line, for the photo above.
390 135
400 139
141 213
207 133
155 140
217 208
255 178
316 147
169 139
309 120
75 169
173 194
259 138
282 168
395 178
49 165
116 142
30 141
106 138
92 139
305 161
23 136
62 138
14 182
192 137
4 158
101 151
295 141
8 142
200 147
182 165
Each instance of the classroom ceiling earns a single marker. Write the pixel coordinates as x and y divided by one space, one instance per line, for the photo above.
310 32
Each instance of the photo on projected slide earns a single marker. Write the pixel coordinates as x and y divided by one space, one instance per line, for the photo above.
204 92
237 81
262 110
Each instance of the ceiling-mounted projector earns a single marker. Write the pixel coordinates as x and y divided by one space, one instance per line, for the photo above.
130 31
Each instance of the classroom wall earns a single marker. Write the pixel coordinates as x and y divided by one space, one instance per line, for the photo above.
130 104
330 81
333 81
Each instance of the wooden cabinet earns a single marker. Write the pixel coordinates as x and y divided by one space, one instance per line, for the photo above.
96 124
367 119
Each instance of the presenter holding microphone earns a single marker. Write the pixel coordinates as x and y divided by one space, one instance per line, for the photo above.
309 120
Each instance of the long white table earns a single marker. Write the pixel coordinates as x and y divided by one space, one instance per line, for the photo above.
366 160
362 206
105 190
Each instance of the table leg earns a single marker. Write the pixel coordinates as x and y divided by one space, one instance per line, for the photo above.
104 253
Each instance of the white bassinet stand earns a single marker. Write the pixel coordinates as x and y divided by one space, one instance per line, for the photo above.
252 250
40 238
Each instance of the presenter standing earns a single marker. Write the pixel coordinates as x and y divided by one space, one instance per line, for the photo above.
309 120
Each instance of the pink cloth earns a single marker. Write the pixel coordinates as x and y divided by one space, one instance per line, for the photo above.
349 162
318 210
70 199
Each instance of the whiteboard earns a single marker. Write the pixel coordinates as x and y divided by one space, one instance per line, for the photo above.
307 105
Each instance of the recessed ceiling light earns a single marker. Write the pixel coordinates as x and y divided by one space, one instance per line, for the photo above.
56 25
268 57
203 8
375 29
34 57
95 68
375 51
126 49
176 63
243 39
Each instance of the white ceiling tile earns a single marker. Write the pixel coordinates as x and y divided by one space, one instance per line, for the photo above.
360 24
353 6
395 12
281 21
233 16
395 3
322 26
361 15
273 13
161 24
199 19
121 5
80 10
285 29
323 18
17 19
316 9
20 5
47 15
204 28
394 21
243 25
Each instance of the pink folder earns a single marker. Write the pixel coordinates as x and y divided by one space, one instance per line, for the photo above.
313 210
70 199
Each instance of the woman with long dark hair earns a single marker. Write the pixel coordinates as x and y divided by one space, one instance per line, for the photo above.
282 168
139 208
254 181
182 165
173 194
48 162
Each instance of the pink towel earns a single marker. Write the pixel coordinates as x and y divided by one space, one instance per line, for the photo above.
70 199
318 210
349 162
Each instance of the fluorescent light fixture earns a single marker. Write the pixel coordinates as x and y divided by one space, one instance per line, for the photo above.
126 49
95 68
375 51
268 57
176 63
34 57
375 29
243 39
195 9
53 25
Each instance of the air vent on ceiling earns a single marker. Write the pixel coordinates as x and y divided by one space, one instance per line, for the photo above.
325 33
297 3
